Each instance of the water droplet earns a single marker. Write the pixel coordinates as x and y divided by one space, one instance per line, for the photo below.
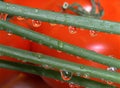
59 51
93 33
78 57
46 66
9 34
60 44
111 69
72 85
65 5
52 24
36 10
20 18
86 75
72 29
36 23
3 16
66 76
24 60
109 82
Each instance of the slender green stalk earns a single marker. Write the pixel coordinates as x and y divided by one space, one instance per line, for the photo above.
59 45
52 74
78 21
59 64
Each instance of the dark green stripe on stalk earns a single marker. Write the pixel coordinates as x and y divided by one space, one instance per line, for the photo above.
59 64
52 74
59 45
77 21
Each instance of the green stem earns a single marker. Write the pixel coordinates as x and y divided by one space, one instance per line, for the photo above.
59 45
52 74
78 21
59 64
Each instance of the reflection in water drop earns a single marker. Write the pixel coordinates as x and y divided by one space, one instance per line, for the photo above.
72 30
93 33
20 18
111 69
36 23
66 76
3 16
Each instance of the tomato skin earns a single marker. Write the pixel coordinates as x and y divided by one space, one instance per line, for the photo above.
12 40
103 43
99 42
24 80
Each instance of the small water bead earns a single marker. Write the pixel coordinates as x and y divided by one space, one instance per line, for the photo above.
72 85
3 16
66 76
112 69
20 18
36 10
60 44
53 24
93 33
72 29
59 51
36 23
109 82
65 5
9 34
86 75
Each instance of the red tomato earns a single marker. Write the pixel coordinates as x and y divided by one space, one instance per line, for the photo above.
99 42
26 81
103 43
9 39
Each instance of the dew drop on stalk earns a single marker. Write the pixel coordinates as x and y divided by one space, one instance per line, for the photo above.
60 44
66 76
20 18
36 23
72 30
86 75
112 69
3 16
93 33
59 51
109 82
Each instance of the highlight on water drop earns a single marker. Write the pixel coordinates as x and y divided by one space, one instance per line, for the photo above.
72 30
66 76
93 33
36 23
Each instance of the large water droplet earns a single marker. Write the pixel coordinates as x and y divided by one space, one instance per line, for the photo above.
72 30
93 33
66 76
36 23
65 5
20 18
3 16
111 69
60 44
